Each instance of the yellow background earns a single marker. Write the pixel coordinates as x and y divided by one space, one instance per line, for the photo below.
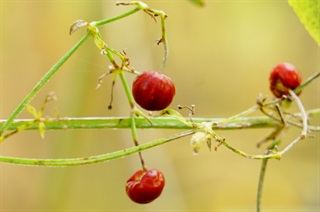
220 58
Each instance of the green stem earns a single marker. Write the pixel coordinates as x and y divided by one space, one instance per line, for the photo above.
132 116
164 38
92 159
260 184
307 82
141 122
157 122
276 155
41 83
127 89
106 21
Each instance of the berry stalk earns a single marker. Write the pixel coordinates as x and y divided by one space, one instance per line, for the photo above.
132 115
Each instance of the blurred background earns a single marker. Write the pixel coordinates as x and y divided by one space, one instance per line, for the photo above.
220 59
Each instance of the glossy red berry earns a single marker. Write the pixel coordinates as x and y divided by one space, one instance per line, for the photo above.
283 77
144 186
153 91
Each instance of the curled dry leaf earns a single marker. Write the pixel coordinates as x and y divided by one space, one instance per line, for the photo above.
77 25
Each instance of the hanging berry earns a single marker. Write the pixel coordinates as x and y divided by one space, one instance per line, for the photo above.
144 186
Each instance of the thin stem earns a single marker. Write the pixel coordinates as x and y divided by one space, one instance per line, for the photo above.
135 139
127 89
260 184
106 21
242 114
302 112
307 82
249 156
287 148
164 39
92 159
132 116
42 82
304 118
312 113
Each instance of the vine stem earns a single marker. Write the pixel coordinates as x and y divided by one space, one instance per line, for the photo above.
157 122
106 21
92 159
167 122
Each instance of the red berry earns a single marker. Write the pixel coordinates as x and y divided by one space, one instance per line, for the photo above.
144 186
153 91
283 77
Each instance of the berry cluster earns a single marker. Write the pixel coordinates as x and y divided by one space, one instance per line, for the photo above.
154 91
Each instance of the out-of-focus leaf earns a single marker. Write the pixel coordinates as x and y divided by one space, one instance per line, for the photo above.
42 129
170 113
32 110
200 3
308 12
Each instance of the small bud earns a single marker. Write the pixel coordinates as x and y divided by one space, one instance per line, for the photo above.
197 140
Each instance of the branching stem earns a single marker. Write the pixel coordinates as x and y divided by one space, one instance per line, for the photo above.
56 67
41 83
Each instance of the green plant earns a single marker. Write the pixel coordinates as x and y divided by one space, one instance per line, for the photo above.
201 129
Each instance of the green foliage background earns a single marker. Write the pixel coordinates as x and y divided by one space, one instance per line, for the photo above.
220 58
